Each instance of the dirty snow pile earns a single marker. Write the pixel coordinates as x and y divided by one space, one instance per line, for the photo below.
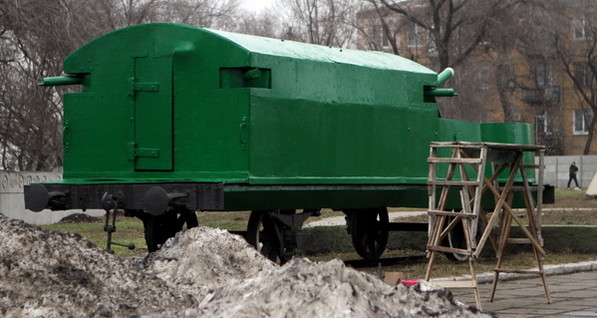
52 274
307 289
202 272
202 258
230 279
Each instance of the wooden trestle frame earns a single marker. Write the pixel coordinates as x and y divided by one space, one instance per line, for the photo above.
466 172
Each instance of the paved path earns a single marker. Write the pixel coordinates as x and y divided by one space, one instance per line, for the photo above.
573 287
573 295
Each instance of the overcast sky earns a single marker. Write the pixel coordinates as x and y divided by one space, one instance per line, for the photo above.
256 5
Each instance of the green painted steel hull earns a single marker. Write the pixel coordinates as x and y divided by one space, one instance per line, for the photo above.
172 103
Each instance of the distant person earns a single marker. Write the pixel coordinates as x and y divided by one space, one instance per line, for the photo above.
572 174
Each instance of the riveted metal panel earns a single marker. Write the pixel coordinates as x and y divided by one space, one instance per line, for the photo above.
152 92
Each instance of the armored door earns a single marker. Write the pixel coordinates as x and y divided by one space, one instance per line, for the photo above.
152 118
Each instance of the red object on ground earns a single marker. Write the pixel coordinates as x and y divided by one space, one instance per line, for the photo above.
409 282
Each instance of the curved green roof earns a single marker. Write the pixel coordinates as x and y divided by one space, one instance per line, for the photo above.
305 51
284 48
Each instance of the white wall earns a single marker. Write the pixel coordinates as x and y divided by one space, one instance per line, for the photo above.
556 170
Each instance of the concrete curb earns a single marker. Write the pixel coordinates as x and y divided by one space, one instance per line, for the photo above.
550 270
339 220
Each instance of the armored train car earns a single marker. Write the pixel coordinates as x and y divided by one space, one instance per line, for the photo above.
172 119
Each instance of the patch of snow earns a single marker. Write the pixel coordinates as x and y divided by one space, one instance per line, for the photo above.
201 272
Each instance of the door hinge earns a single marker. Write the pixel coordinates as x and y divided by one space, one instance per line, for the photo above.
146 87
142 152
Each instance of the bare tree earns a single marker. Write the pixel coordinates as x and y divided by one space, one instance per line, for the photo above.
324 22
578 57
514 36
36 36
378 37
457 33
220 14
454 27
265 23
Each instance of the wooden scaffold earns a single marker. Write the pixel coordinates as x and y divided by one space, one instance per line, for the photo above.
466 167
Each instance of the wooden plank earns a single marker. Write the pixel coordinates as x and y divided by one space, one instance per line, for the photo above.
526 232
454 160
446 249
466 209
455 214
501 203
455 144
490 145
477 208
539 207
453 183
431 189
393 278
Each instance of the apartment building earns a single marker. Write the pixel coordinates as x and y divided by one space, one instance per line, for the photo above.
540 68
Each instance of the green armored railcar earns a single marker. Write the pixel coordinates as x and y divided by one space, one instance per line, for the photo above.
172 119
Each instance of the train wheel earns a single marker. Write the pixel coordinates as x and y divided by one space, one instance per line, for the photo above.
266 236
455 239
369 230
158 229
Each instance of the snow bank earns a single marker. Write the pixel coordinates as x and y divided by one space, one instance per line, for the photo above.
52 274
202 272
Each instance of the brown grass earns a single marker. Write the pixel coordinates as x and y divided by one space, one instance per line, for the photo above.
566 201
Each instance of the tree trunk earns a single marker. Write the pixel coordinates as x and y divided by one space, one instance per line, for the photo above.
590 136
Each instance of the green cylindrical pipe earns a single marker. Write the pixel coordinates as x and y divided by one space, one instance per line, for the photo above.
441 92
61 80
444 76
252 74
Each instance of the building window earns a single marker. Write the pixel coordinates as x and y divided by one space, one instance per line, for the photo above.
544 75
583 73
379 36
541 123
484 77
582 118
579 30
414 35
375 30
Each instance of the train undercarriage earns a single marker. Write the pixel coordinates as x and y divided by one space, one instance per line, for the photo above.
166 209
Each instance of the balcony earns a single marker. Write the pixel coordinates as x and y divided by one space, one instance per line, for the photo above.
541 96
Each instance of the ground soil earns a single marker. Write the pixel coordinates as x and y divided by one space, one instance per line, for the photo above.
79 218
